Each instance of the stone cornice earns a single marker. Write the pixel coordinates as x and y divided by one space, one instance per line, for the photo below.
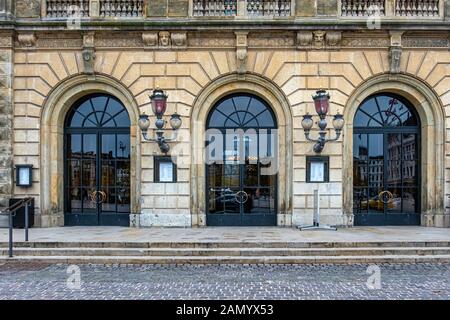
231 24
317 39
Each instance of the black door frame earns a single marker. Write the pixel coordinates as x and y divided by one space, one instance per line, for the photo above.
97 217
385 218
241 219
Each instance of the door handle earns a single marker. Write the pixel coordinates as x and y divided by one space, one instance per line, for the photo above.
244 194
93 196
389 194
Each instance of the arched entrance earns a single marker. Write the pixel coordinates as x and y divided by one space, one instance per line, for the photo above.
97 154
386 162
241 152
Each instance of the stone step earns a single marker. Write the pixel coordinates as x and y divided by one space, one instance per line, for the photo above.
228 244
219 252
228 259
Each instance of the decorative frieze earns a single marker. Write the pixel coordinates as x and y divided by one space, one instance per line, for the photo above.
318 39
179 39
208 39
271 40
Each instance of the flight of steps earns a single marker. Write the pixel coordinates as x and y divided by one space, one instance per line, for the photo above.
226 252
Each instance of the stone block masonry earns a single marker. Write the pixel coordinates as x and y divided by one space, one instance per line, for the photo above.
6 171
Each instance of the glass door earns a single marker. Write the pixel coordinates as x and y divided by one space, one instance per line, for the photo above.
386 162
241 175
97 163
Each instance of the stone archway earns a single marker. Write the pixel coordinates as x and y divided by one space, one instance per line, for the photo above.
432 166
269 92
55 109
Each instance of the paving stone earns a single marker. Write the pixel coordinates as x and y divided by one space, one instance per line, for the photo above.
312 281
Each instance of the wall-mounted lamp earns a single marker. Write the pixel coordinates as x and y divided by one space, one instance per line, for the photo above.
322 105
24 175
159 106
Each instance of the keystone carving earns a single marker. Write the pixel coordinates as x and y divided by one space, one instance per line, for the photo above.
88 53
395 51
241 51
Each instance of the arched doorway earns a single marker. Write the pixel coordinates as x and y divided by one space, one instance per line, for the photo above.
386 162
241 171
97 162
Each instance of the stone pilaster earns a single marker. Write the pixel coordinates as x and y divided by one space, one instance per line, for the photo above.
6 70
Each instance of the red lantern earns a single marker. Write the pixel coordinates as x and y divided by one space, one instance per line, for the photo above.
159 102
321 102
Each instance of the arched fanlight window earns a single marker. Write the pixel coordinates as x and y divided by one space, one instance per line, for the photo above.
241 111
98 111
386 110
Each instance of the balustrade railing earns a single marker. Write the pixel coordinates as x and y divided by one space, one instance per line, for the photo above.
276 8
121 8
417 8
214 8
362 8
67 8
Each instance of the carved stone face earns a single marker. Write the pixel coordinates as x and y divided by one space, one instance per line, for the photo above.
164 38
319 37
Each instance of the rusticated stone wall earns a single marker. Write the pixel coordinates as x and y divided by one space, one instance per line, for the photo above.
297 64
6 69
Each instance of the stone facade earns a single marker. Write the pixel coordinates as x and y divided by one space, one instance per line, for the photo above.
283 61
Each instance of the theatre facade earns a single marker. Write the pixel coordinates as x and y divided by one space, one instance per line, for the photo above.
187 113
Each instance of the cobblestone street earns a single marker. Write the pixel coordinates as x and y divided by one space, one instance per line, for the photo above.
398 281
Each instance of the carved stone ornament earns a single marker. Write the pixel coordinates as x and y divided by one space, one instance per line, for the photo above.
319 39
150 39
164 39
333 38
304 38
88 60
88 53
241 51
395 51
179 39
27 40
395 57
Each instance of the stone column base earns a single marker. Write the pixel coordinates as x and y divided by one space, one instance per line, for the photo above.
435 220
50 220
165 219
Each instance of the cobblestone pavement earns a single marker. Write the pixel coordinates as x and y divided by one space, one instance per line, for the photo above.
398 281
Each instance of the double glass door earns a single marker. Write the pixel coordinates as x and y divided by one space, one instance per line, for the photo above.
386 178
98 178
241 192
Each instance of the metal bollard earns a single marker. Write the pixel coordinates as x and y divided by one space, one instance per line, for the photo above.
26 221
10 248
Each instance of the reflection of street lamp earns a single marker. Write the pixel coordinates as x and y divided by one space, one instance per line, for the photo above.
122 147
159 106
322 104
